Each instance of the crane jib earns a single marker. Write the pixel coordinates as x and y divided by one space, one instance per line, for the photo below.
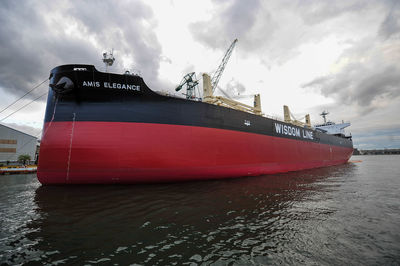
217 75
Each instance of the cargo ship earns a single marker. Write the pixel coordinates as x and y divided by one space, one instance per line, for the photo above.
103 128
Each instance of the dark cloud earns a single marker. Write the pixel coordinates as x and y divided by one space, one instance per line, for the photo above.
370 77
37 36
391 25
128 27
258 27
275 30
352 85
233 19
368 74
315 11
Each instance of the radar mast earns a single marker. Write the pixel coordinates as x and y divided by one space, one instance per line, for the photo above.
324 114
108 59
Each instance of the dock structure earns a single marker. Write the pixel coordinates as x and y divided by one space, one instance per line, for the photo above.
18 170
376 152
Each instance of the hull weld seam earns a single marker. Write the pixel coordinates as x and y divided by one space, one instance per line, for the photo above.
70 147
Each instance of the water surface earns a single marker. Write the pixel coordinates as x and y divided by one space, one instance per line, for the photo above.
328 216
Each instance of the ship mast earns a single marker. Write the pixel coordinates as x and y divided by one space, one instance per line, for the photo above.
108 59
324 114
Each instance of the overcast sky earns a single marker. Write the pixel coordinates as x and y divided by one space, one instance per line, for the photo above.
312 55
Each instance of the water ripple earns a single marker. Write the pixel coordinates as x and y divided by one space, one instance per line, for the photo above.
324 216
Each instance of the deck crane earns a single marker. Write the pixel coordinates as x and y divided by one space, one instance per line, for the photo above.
290 118
210 84
238 96
190 82
217 75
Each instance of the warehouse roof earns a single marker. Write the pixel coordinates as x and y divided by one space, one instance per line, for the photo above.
17 131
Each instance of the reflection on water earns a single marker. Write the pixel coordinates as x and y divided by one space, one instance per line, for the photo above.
200 222
259 220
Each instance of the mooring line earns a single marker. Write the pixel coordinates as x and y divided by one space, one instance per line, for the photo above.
34 88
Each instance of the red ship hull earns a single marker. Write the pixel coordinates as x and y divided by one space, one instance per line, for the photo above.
84 152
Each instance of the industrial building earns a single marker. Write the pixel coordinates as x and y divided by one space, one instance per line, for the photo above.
14 143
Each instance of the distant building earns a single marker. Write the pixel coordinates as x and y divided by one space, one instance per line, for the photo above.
380 152
14 143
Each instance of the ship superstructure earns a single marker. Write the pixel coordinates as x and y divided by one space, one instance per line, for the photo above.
332 128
